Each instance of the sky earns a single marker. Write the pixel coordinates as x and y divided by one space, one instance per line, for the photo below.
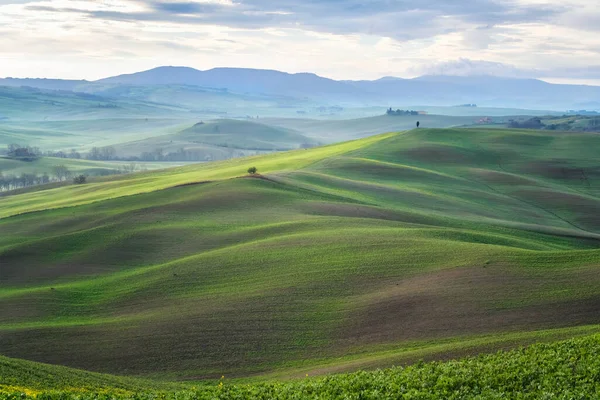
341 39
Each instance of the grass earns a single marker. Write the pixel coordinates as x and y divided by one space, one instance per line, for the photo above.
330 131
42 165
562 370
222 139
424 244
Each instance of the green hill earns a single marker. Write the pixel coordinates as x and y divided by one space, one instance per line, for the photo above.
424 244
9 166
330 131
84 134
221 139
27 103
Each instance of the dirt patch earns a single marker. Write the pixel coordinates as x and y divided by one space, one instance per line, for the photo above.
579 211
462 301
502 178
189 184
562 170
258 176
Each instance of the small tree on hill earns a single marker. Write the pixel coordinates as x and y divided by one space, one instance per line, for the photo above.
252 170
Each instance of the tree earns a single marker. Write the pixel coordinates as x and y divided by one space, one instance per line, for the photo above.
79 179
74 154
108 153
94 154
61 172
159 154
418 124
252 170
24 153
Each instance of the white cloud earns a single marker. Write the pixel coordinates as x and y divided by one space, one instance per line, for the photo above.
355 39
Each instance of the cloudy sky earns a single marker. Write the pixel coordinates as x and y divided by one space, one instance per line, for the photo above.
342 39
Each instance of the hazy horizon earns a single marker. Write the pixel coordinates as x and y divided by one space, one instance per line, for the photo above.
559 81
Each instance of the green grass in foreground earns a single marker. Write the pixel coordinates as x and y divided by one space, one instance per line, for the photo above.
562 370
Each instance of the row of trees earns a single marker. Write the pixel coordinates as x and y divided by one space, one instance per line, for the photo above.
18 151
25 153
12 182
401 112
531 123
96 153
58 173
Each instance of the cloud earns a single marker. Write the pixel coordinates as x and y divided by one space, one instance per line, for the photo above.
403 20
338 38
467 67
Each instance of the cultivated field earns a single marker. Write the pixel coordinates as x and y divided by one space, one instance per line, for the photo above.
427 244
563 370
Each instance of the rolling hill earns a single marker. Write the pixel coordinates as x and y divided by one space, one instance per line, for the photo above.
178 85
28 103
221 139
380 251
51 119
242 80
10 166
331 131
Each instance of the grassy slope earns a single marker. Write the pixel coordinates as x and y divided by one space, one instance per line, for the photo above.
45 164
563 370
209 102
347 129
64 120
220 138
86 133
360 254
33 378
20 103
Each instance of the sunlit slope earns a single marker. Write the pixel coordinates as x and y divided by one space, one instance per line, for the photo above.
148 182
434 240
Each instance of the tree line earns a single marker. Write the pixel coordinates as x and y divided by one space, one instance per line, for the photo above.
58 173
401 112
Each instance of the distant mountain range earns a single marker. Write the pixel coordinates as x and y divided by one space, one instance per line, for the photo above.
389 91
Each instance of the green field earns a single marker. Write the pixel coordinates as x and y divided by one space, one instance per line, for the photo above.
331 131
221 139
563 370
86 133
427 244
42 165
